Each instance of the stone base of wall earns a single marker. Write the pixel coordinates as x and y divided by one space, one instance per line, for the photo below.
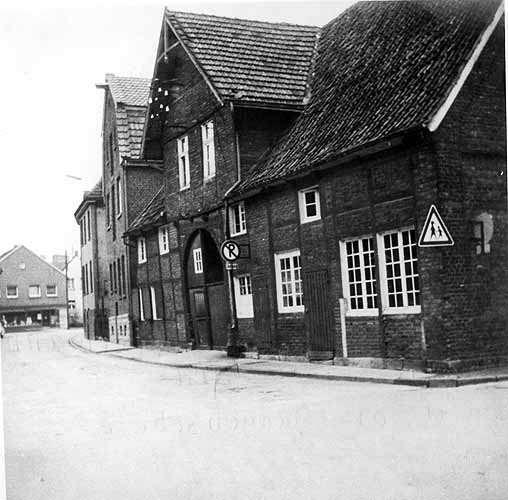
464 365
381 363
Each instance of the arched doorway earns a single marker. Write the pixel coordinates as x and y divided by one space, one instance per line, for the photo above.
206 292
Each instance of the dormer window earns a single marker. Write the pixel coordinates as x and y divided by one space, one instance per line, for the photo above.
208 150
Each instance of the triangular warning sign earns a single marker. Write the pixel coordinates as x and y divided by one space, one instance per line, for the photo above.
434 233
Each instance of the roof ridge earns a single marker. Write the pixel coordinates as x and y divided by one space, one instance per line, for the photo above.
271 23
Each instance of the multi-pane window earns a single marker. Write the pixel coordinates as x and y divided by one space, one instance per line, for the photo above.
164 240
141 307
91 276
208 150
237 220
243 296
183 161
118 197
123 284
88 232
399 268
141 250
108 212
289 282
51 291
308 200
359 275
34 291
198 260
153 303
12 291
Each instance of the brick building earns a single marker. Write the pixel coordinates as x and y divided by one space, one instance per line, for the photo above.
32 291
128 183
91 217
321 151
208 120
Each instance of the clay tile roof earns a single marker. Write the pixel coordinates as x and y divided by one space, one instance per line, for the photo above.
151 213
129 90
247 60
382 68
131 99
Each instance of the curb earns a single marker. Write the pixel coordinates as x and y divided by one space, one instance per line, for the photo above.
423 383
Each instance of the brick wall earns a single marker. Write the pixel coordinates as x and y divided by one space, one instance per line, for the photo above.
470 153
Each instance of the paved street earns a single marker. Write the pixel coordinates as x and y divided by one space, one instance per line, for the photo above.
92 426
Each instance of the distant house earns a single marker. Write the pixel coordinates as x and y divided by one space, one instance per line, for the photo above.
90 215
74 292
32 291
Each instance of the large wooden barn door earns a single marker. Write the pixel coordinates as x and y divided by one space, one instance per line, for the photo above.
319 319
208 302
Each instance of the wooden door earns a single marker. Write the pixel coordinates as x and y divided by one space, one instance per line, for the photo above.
318 317
200 318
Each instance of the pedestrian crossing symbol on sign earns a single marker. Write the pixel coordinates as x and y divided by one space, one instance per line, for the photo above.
434 233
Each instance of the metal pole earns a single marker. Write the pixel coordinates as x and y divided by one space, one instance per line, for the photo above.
67 288
233 348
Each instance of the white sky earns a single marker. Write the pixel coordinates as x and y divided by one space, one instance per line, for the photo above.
52 54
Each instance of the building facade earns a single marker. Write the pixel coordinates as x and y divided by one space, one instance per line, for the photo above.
207 131
32 291
91 218
326 185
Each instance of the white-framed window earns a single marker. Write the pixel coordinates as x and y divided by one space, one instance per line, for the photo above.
12 292
398 270
308 201
288 276
141 307
359 276
141 250
163 240
118 198
237 221
34 291
183 161
243 296
51 291
153 303
198 260
208 150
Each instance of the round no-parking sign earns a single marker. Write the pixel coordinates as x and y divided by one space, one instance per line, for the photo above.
230 250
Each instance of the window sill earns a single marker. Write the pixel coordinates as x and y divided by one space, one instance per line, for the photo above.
12 297
295 312
307 221
119 215
165 252
208 179
373 313
141 261
238 234
185 188
401 311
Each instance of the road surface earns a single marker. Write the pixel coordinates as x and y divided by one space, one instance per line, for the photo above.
82 426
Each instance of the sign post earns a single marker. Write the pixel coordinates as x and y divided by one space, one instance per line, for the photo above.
230 252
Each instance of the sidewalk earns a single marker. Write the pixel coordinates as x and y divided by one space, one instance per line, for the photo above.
218 361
